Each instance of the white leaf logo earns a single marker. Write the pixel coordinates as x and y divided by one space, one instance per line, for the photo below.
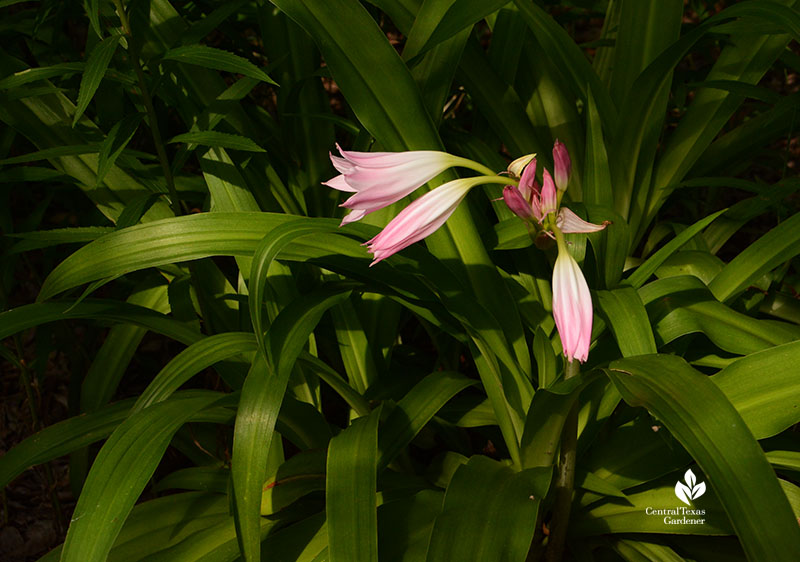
691 489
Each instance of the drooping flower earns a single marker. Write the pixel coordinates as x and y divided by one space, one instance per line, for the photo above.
422 217
572 307
378 179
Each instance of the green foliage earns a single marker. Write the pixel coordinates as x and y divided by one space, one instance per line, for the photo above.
327 409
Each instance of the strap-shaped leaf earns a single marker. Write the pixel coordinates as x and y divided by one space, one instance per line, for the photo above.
644 271
488 513
62 438
628 320
55 152
683 305
460 14
18 319
699 415
546 417
119 474
217 59
262 395
764 388
351 492
216 138
775 247
267 250
40 73
191 361
416 409
568 56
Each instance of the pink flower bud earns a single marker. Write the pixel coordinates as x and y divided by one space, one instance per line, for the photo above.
527 182
549 195
572 307
561 166
517 203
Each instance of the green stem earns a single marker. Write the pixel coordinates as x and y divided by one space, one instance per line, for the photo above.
151 112
565 481
480 168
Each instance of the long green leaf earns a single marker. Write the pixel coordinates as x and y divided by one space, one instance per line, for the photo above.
216 138
350 492
416 409
489 513
459 15
41 73
682 305
262 395
119 474
118 138
628 320
191 361
216 59
768 402
775 247
708 426
568 56
546 418
18 319
62 438
644 271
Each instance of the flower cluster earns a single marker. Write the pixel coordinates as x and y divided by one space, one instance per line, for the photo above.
378 179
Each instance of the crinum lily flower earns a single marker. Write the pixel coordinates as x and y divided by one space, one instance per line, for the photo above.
423 217
378 179
539 208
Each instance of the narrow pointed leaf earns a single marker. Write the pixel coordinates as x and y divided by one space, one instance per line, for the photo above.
93 74
217 59
216 138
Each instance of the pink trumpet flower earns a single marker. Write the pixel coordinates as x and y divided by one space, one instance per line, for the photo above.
378 179
422 217
572 307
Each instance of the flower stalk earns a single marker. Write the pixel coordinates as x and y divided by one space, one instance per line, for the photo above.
565 478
